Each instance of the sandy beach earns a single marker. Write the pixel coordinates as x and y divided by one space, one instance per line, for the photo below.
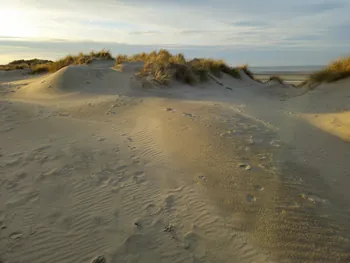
97 167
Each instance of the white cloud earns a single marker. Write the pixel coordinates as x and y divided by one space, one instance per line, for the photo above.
205 22
233 24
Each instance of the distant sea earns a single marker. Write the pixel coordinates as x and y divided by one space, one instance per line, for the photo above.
285 69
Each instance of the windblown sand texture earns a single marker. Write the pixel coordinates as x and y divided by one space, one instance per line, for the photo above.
94 167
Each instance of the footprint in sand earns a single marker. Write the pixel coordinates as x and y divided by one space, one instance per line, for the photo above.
19 176
11 185
187 114
244 166
54 216
190 240
202 178
16 235
259 188
169 228
262 157
99 259
139 177
2 225
66 222
64 114
250 198
152 209
169 201
275 144
135 244
138 223
42 148
250 141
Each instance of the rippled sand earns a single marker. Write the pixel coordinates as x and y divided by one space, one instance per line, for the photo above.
95 168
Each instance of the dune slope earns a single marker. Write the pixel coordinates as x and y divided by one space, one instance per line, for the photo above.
92 164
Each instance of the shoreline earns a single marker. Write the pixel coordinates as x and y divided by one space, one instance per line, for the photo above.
295 77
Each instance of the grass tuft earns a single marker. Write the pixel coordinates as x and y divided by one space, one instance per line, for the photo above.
80 59
40 68
337 70
103 54
185 74
162 67
121 59
24 64
277 79
246 70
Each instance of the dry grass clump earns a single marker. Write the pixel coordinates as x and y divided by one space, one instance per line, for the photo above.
185 74
42 66
34 61
23 64
121 59
277 79
140 56
9 67
80 59
134 58
246 70
216 67
103 54
162 67
336 70
68 60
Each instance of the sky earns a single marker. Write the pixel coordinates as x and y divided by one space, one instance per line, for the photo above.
260 33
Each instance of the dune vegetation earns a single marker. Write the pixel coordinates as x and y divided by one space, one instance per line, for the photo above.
80 59
277 79
162 67
24 64
336 70
246 70
42 66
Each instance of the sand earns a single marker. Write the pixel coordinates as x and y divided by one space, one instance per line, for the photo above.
294 78
94 167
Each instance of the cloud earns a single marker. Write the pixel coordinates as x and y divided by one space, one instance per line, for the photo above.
149 32
128 25
201 32
304 38
339 33
250 23
9 37
314 8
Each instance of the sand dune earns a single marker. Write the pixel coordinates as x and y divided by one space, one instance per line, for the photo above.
93 165
327 107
